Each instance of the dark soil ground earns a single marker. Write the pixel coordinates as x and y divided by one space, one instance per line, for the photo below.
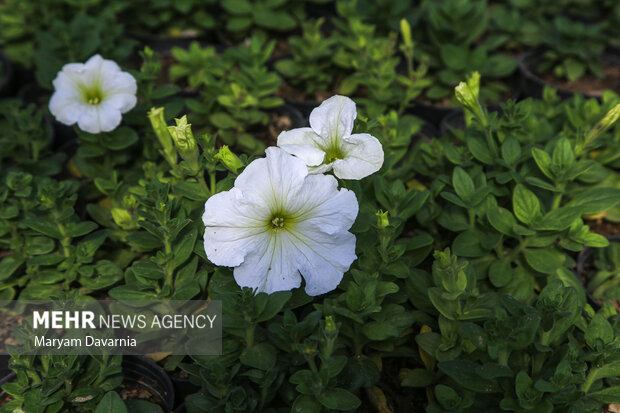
590 84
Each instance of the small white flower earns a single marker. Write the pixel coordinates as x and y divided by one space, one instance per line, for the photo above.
279 222
328 143
93 94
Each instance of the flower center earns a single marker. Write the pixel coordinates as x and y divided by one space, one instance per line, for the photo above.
93 96
333 154
277 223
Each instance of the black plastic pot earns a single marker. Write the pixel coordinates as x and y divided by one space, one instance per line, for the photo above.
6 375
183 387
163 44
146 373
6 73
297 119
456 119
584 256
137 370
180 409
532 85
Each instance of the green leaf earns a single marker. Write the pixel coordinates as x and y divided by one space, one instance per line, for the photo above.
39 245
183 247
599 332
147 270
544 260
543 160
306 404
339 399
81 228
500 273
596 200
376 330
558 219
563 155
608 395
9 265
418 378
275 303
260 356
455 57
502 220
478 147
464 373
511 150
525 204
111 403
463 184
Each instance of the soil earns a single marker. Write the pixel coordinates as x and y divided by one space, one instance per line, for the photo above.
590 84
399 399
6 330
277 123
5 399
603 227
135 391
291 93
444 103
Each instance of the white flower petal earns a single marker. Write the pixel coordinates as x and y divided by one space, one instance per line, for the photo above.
320 204
65 108
303 143
231 225
123 102
278 223
323 259
334 118
272 180
120 83
272 266
109 117
92 94
363 156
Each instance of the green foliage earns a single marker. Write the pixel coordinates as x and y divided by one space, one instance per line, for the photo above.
273 15
603 279
50 384
574 50
236 90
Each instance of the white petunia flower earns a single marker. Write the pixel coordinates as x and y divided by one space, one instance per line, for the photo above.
93 94
279 222
328 143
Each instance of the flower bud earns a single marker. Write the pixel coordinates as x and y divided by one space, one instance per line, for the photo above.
122 218
467 94
610 118
156 116
184 141
382 219
405 30
229 159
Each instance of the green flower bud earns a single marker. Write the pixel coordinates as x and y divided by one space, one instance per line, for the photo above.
123 218
156 116
229 159
382 219
610 118
405 30
184 141
467 94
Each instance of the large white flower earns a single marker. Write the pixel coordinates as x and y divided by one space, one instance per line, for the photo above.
278 222
93 94
328 143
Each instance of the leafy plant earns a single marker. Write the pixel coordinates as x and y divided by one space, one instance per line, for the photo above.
275 15
374 63
52 384
602 279
235 93
310 65
553 354
456 49
574 50
512 205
